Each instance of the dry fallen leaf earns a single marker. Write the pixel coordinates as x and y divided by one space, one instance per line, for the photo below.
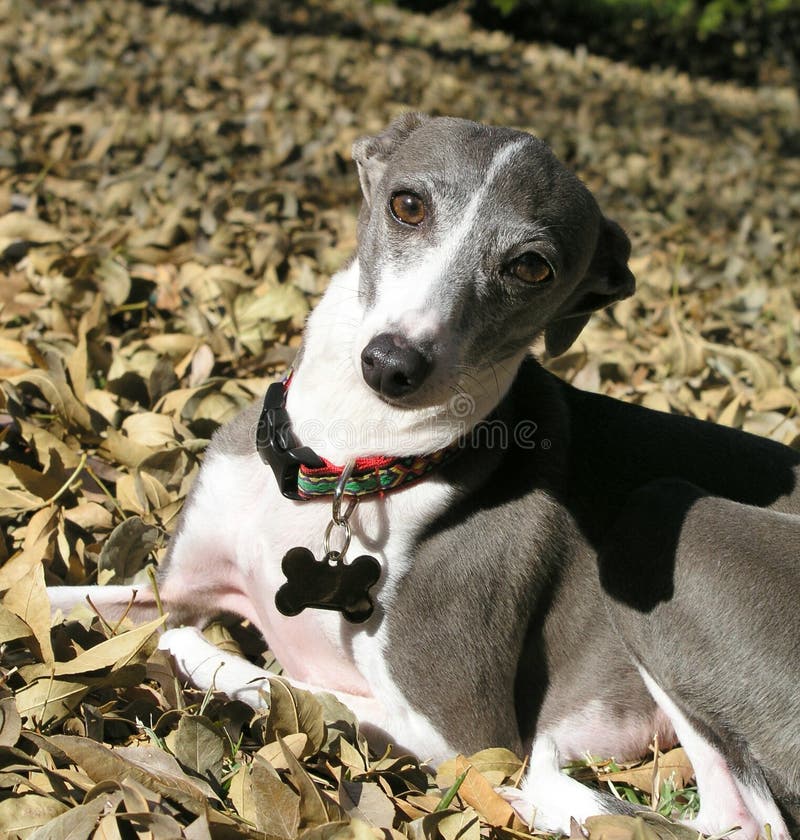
476 791
673 765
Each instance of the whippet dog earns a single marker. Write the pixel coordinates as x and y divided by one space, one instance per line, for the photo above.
469 552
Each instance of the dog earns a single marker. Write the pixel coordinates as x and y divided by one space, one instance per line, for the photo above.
592 572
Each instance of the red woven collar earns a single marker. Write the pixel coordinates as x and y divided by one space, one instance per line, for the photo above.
302 474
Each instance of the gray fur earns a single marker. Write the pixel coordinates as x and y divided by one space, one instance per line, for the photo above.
575 563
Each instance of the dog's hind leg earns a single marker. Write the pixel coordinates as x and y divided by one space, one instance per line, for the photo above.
703 592
725 800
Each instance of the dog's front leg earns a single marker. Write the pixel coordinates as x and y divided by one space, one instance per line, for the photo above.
207 667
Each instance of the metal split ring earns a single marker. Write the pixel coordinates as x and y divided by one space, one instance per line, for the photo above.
326 539
339 517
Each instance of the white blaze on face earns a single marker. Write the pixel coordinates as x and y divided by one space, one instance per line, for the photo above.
332 408
409 298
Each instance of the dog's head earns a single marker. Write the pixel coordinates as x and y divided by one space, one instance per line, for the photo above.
473 240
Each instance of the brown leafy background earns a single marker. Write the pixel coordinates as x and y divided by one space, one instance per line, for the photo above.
174 195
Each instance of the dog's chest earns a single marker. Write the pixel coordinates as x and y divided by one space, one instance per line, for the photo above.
317 646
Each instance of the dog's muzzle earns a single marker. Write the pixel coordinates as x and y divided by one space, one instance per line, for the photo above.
392 367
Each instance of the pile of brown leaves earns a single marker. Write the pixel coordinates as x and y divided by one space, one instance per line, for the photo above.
174 194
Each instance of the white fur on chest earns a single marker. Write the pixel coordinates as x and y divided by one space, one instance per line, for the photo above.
339 416
238 529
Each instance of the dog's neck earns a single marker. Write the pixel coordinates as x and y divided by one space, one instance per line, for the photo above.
340 417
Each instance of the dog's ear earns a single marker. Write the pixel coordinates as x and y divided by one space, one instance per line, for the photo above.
607 279
372 153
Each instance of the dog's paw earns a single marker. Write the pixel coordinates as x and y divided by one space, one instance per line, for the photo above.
208 668
553 817
178 640
519 802
550 800
547 799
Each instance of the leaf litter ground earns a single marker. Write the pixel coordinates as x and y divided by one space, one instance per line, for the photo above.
174 195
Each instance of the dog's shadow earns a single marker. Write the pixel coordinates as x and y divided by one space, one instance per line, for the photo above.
636 562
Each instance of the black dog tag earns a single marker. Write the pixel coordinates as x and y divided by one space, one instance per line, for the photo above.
328 584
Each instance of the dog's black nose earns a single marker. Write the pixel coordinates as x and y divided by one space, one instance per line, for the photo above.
392 367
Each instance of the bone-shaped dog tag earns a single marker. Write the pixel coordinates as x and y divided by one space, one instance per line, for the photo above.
327 584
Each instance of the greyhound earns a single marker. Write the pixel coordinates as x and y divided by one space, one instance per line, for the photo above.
538 567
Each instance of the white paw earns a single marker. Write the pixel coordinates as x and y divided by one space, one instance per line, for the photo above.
519 802
542 811
179 639
208 668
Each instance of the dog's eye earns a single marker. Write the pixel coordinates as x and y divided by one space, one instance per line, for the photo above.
530 268
408 208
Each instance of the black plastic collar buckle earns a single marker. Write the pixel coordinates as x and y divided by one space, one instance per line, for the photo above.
277 445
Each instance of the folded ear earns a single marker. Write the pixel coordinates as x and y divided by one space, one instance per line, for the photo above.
607 279
372 153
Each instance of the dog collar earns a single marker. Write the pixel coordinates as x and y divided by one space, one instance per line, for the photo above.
302 474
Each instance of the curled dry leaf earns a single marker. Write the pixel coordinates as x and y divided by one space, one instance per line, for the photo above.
23 813
315 807
12 626
647 826
78 821
114 652
366 801
294 710
127 548
27 599
21 227
47 701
